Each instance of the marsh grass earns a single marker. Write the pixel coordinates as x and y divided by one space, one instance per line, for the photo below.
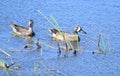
98 46
104 45
55 24
3 66
67 43
5 53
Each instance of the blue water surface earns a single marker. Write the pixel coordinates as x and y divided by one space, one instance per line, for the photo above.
94 16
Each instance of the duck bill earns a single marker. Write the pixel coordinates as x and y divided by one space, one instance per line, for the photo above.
83 32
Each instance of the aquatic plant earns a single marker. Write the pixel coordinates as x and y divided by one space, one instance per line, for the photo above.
55 24
98 46
67 43
4 66
105 46
5 53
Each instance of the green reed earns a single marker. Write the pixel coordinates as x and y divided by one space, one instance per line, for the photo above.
3 66
104 45
5 53
55 25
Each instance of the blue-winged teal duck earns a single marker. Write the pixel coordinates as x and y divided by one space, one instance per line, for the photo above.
58 35
23 31
64 36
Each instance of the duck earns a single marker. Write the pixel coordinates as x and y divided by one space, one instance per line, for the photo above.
61 36
23 31
65 36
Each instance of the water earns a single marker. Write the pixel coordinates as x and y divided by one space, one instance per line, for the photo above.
94 17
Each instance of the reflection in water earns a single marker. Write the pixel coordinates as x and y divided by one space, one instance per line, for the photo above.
68 46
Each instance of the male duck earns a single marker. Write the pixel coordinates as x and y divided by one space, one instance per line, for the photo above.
23 31
64 36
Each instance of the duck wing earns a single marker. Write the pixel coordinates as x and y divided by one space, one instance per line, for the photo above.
71 37
55 31
20 28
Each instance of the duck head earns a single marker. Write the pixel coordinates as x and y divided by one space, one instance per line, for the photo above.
31 23
79 29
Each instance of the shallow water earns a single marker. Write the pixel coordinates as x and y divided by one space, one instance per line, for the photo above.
95 17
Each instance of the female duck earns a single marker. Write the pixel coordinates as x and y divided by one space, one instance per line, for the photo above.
64 36
23 31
